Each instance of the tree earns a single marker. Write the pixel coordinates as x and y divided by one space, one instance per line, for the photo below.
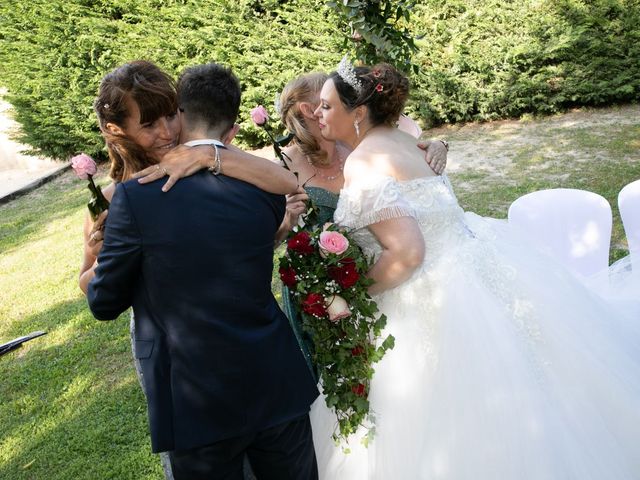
378 30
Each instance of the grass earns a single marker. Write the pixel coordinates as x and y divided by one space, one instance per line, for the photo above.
71 404
577 150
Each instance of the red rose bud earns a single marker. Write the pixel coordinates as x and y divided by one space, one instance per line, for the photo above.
359 390
314 305
300 243
357 351
288 276
345 274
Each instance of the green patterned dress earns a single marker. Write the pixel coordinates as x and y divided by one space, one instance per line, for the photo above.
326 202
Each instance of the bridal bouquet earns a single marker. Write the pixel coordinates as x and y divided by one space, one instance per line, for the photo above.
324 271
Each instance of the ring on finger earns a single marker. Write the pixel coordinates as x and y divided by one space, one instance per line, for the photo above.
164 171
157 167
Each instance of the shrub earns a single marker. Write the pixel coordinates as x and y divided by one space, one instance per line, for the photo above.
478 59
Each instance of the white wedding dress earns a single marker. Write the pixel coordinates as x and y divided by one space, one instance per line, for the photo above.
504 366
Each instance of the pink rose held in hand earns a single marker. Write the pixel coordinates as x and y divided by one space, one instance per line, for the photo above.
332 242
259 115
84 166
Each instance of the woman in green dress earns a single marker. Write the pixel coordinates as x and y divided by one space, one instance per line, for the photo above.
319 163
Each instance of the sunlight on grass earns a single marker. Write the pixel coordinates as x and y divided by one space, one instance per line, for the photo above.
71 404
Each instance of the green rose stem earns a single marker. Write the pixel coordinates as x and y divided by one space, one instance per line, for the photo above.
98 202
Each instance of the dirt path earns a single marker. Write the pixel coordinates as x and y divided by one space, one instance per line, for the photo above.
494 147
18 169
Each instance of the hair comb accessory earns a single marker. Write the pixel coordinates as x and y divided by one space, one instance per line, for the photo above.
348 75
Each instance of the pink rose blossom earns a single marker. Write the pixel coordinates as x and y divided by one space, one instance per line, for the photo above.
259 115
337 308
332 242
84 166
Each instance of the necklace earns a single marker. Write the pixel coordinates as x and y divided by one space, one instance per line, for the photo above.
340 162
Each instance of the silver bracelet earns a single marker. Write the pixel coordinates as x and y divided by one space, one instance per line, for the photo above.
216 168
445 143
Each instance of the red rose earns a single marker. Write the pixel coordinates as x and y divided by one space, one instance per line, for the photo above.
345 274
356 351
314 305
300 243
288 276
359 390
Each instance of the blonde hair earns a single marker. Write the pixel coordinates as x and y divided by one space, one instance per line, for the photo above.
305 88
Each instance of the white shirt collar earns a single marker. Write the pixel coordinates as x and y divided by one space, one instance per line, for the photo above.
205 141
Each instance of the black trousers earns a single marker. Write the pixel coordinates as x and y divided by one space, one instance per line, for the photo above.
283 452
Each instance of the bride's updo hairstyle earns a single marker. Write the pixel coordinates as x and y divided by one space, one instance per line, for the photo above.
155 94
382 88
305 88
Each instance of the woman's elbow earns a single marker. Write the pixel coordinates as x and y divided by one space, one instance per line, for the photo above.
414 256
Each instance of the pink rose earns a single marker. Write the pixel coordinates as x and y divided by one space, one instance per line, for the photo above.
259 115
84 166
337 308
332 242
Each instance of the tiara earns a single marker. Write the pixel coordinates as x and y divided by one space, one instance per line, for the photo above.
348 75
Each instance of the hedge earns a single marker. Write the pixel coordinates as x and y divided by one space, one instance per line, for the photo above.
477 59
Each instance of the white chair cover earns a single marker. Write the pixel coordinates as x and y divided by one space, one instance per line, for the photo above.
629 206
574 226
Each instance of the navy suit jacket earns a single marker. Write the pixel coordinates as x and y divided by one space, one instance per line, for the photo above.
218 356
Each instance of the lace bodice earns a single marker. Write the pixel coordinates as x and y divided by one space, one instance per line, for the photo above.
430 200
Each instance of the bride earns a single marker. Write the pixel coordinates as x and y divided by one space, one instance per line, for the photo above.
504 367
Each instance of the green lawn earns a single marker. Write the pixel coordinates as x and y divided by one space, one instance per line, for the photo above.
71 407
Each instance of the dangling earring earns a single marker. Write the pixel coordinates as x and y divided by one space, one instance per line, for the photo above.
357 127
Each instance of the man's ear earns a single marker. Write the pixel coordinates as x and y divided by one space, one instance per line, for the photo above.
307 109
113 129
230 135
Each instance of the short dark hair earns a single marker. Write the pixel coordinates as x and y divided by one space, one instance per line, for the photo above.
209 93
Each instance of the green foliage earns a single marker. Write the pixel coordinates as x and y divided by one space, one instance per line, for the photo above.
54 54
379 30
477 59
344 349
489 59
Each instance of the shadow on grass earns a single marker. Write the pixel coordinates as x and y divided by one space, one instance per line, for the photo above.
27 217
71 404
100 437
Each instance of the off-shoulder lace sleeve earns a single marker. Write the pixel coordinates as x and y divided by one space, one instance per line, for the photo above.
363 204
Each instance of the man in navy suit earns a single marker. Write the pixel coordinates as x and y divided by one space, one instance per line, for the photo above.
223 372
